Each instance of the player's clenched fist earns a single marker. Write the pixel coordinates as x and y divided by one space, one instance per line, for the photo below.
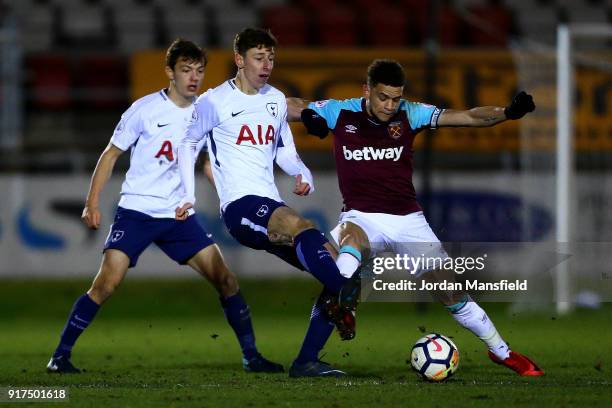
91 217
181 213
520 106
301 188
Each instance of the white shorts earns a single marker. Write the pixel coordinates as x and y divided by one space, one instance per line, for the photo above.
402 234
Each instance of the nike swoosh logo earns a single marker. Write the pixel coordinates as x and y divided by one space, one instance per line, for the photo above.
332 371
80 320
237 113
438 346
158 125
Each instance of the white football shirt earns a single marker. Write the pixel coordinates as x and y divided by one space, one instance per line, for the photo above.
243 134
152 128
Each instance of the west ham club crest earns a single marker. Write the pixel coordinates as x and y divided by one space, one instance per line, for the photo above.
395 130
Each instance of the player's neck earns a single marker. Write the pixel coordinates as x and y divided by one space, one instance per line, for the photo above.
244 85
179 100
369 110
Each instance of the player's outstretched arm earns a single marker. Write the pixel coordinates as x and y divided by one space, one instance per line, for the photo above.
104 169
297 109
295 106
484 116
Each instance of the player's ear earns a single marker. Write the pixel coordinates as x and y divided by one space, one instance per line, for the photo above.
169 73
239 60
366 91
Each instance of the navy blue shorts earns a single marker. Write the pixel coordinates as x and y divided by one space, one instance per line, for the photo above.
132 232
247 221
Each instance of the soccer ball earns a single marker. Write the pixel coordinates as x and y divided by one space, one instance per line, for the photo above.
435 357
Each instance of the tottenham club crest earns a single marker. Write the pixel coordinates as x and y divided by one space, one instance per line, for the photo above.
263 210
120 126
272 108
116 235
395 130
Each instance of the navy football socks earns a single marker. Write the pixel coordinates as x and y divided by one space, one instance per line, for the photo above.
83 312
238 316
317 260
319 330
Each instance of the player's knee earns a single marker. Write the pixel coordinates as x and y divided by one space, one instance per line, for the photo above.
357 244
353 242
101 291
227 284
288 226
302 224
280 239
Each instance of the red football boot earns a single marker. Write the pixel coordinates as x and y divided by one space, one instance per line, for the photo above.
519 363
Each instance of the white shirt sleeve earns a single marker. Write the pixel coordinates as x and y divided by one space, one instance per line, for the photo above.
202 146
203 119
288 158
128 129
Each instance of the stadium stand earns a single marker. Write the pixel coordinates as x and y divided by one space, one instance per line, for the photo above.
338 26
394 20
103 82
288 23
48 77
76 52
129 25
499 24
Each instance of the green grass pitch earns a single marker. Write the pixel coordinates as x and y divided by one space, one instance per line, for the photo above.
166 344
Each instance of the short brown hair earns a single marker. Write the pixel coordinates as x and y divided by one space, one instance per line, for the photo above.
253 38
185 49
387 72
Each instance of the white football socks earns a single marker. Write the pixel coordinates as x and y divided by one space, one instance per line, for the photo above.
347 264
475 319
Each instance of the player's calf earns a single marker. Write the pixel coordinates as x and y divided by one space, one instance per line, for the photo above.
209 263
112 271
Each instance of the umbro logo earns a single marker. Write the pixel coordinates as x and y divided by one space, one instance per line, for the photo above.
165 124
237 113
350 128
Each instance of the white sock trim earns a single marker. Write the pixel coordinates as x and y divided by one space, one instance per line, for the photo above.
347 264
475 319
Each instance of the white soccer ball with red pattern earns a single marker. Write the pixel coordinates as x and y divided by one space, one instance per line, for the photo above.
435 357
